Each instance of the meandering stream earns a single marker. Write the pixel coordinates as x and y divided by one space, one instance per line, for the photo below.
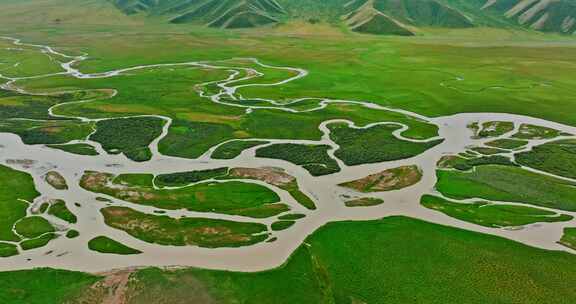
74 254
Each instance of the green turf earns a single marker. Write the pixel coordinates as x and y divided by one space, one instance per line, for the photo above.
80 149
495 128
284 181
488 150
18 105
313 158
185 178
373 145
458 267
266 211
303 199
495 216
506 143
43 286
134 180
528 131
37 242
282 225
61 211
44 207
364 202
569 238
33 226
104 244
231 197
8 250
47 132
465 164
387 180
557 157
341 272
507 183
130 136
15 186
164 230
71 234
233 149
292 217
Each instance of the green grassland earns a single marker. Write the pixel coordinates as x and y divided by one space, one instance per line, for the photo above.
197 128
501 71
569 238
465 164
350 271
232 149
495 128
528 131
495 216
558 157
16 188
27 116
33 226
403 73
164 230
43 286
364 202
61 211
373 145
282 225
130 136
47 132
488 150
181 179
508 183
18 105
71 234
104 244
313 158
8 250
285 182
292 217
24 61
231 197
387 180
329 58
38 242
506 143
80 149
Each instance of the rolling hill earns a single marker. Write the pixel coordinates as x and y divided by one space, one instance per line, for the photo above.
213 13
394 17
543 15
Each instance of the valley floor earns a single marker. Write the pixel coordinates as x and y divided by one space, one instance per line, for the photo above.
129 139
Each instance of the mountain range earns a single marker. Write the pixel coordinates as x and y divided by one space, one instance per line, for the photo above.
394 17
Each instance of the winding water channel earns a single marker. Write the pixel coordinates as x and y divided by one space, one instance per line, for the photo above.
74 254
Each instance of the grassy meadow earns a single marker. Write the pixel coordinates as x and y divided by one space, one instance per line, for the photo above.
458 267
393 260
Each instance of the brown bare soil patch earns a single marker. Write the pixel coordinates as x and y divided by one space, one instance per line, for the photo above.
388 180
56 180
112 289
94 180
272 176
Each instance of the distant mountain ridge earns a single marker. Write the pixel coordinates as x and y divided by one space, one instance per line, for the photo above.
214 13
543 15
394 17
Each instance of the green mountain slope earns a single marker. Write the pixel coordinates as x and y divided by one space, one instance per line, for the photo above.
213 13
396 17
543 15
